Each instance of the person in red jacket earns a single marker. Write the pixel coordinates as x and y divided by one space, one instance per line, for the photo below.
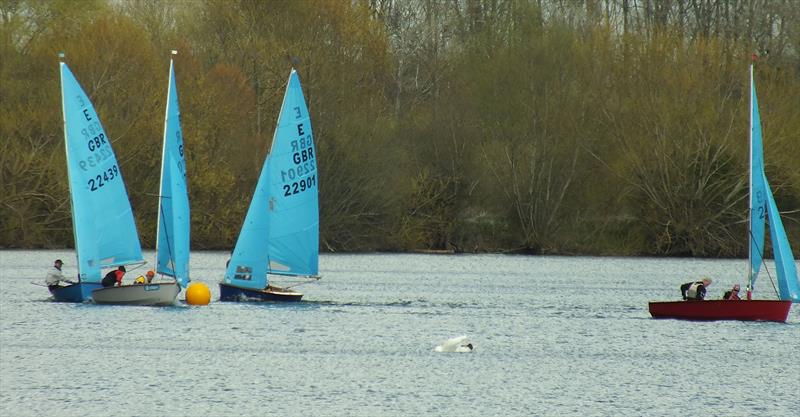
114 277
733 294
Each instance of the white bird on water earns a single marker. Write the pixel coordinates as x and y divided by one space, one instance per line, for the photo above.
458 344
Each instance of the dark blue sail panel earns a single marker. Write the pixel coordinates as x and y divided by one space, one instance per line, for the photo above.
103 225
172 245
280 234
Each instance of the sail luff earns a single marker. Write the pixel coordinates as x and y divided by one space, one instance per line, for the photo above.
750 193
70 175
160 246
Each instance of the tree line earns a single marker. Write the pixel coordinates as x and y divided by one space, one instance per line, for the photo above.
538 126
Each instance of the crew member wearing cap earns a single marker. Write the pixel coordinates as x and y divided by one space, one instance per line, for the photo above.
733 294
55 276
114 277
695 290
150 275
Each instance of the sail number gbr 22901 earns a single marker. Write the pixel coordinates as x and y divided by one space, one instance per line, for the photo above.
301 174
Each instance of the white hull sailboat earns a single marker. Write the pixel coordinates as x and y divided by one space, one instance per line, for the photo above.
280 234
156 294
172 241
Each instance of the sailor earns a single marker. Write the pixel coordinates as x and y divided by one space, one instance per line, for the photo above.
55 276
695 290
114 277
150 275
733 294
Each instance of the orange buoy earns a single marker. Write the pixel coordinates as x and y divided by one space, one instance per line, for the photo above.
198 294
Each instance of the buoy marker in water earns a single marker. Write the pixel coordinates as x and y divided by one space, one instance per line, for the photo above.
198 294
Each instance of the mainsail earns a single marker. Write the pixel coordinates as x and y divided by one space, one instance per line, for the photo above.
102 219
763 206
172 243
284 214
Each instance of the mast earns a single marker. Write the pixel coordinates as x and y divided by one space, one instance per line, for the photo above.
750 236
161 197
61 64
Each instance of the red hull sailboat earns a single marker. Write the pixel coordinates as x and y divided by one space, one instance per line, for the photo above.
762 207
753 310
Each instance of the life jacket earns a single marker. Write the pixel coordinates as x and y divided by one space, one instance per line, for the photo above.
691 293
120 274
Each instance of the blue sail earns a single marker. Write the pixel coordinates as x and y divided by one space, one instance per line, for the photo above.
172 243
294 208
102 219
248 264
758 188
284 214
788 283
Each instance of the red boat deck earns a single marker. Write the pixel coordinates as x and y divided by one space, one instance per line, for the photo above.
753 310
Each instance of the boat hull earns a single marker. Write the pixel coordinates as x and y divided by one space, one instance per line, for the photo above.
753 310
75 293
161 294
228 292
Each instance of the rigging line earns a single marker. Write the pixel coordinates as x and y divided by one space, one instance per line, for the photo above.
309 281
761 253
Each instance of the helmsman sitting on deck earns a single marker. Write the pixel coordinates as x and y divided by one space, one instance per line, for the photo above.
55 276
695 290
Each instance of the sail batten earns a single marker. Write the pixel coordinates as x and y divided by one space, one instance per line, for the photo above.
103 225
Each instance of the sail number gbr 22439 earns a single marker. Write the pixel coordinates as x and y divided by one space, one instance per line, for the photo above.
101 179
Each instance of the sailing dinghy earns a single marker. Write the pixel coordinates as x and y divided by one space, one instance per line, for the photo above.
762 206
172 242
102 220
280 234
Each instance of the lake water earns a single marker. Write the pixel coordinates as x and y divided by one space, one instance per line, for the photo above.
553 336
